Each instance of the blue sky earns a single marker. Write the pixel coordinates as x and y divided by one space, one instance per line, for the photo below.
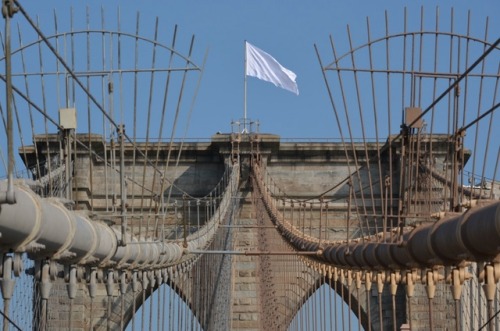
285 29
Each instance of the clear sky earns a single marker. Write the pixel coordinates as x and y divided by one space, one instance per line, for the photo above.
285 29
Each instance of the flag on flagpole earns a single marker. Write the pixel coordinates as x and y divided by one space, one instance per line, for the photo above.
263 66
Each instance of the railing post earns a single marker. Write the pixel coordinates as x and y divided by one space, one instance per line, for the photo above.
123 187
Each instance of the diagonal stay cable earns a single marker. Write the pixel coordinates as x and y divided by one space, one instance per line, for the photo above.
54 122
75 77
455 83
10 321
432 105
483 115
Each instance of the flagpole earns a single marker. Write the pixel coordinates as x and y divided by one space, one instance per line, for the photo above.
245 90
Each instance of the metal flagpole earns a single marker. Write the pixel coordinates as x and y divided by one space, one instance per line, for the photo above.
245 92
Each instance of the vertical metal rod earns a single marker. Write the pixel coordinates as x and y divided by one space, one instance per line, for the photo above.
310 218
187 122
431 321
30 108
122 310
431 126
123 187
7 285
148 121
332 102
486 150
457 315
389 114
175 121
185 218
404 157
410 318
380 314
67 162
134 128
320 220
447 195
460 197
48 157
494 173
151 303
161 121
348 221
342 303
394 324
454 151
349 299
368 301
375 112
418 102
387 183
89 117
326 223
351 137
362 122
403 76
143 311
171 300
7 11
245 88
161 320
358 295
478 115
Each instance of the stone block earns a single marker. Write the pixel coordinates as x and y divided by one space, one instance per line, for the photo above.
245 273
248 317
245 294
247 301
246 287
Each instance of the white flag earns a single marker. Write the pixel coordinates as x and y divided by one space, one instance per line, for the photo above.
265 67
